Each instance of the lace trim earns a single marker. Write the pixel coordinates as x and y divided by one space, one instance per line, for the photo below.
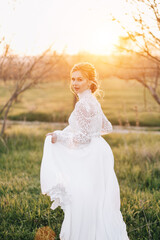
60 196
86 121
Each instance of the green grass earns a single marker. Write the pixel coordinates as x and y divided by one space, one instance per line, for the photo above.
53 102
23 209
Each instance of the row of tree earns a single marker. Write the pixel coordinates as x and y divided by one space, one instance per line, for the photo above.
138 58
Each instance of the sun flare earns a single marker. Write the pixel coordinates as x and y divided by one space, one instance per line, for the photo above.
32 26
103 41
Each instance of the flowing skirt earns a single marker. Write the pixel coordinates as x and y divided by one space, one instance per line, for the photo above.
83 182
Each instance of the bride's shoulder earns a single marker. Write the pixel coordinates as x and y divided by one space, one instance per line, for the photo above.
81 104
86 106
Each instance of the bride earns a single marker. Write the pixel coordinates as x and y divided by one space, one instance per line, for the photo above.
77 169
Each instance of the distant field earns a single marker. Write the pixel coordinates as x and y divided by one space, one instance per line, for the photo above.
23 210
53 102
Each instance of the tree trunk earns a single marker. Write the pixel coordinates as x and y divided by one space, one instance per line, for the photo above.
5 119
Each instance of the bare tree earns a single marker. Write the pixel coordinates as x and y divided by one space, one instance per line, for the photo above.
145 43
23 73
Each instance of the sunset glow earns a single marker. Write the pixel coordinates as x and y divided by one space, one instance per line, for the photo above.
30 26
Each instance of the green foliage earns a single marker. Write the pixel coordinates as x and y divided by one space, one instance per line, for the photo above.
43 117
23 209
53 102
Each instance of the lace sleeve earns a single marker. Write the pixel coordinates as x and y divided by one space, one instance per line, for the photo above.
80 132
106 125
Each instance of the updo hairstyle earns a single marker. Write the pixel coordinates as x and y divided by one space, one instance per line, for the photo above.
89 71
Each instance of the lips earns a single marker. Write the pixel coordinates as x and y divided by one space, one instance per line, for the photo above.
76 89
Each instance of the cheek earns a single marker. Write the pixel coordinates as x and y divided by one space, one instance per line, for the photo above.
85 84
72 83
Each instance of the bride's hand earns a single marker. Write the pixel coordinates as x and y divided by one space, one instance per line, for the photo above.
54 137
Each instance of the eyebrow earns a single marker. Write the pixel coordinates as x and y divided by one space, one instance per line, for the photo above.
77 78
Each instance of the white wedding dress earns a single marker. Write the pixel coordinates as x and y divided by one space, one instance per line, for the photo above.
77 172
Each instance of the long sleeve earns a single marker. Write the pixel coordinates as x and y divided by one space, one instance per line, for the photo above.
106 125
78 132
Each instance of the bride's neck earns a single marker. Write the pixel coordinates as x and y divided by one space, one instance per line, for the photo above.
84 93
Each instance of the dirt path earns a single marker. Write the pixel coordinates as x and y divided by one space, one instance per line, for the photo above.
116 129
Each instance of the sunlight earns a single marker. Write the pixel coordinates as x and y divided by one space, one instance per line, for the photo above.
103 40
75 30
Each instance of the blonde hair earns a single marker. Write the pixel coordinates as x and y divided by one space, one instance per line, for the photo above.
89 71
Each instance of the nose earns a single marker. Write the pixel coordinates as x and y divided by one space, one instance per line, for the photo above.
75 83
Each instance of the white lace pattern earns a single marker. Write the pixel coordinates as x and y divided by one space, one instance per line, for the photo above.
86 121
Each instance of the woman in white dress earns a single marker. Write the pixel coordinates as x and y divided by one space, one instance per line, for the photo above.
77 169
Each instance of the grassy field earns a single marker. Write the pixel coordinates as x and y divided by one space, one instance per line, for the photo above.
23 210
54 102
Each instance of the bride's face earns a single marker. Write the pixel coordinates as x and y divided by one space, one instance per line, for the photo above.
79 82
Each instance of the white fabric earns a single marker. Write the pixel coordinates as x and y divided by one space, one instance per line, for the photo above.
86 121
77 172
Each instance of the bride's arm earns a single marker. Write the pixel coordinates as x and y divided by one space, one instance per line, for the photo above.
81 134
106 125
66 129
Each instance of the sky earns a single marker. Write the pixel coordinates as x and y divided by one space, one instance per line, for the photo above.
30 26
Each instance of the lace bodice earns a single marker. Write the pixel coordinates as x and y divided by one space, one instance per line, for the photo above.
85 122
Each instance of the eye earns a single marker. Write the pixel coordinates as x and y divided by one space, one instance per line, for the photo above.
80 79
